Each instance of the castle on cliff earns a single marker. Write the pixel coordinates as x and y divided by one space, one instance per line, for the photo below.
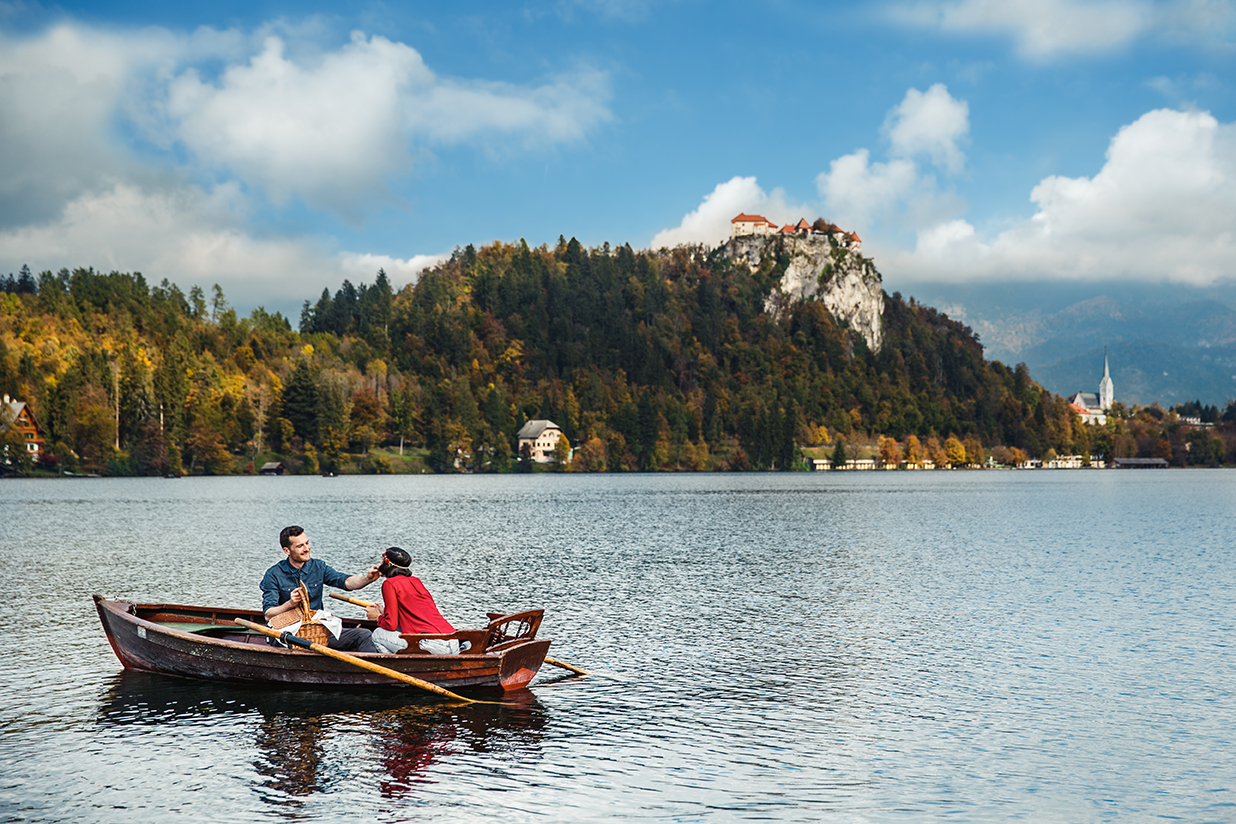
745 225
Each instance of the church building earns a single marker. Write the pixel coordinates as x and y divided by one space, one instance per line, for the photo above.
1091 407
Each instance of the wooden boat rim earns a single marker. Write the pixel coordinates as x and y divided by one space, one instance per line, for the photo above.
116 607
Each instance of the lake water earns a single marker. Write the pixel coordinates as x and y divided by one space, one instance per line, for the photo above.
970 646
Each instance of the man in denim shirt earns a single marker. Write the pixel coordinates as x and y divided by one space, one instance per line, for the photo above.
280 592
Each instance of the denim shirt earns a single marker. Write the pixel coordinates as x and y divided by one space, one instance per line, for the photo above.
282 578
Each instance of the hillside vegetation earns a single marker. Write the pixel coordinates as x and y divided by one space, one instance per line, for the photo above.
647 360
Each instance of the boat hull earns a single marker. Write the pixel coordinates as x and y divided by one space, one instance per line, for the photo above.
153 638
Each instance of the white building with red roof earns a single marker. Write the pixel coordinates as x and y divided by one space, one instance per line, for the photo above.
746 224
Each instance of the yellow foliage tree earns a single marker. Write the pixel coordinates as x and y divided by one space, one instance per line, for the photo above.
890 452
915 453
954 451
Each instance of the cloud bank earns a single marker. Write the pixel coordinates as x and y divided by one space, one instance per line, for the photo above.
161 153
1044 30
1158 209
855 192
332 130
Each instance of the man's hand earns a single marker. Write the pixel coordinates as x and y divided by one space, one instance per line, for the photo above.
362 579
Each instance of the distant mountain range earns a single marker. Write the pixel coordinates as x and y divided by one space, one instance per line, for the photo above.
1165 343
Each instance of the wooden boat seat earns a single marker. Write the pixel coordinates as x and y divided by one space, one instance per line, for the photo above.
509 630
502 631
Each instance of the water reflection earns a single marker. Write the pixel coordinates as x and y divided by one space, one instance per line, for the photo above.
297 734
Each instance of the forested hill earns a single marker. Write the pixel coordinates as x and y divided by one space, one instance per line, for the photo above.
648 361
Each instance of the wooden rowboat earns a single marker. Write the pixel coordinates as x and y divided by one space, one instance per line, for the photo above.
204 643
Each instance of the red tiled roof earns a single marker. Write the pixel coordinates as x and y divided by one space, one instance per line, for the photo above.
745 218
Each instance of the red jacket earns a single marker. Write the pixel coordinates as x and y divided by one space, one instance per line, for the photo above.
409 608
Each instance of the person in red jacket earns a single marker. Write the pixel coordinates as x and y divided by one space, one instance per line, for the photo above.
407 607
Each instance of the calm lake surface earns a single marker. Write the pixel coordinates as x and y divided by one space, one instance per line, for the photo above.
970 646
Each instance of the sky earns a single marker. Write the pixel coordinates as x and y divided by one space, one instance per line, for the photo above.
277 148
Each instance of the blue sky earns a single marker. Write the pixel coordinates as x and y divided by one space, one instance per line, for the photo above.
278 148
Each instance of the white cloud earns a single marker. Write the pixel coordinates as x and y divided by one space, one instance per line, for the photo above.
1160 208
363 267
930 123
192 237
1049 29
710 223
81 108
855 192
58 93
332 130
860 193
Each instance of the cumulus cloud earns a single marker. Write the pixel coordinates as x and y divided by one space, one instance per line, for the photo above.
1049 29
192 237
856 192
332 130
710 223
363 267
58 94
930 123
930 126
1159 209
118 151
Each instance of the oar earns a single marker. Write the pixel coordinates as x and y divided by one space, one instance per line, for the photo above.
566 666
358 602
322 649
351 600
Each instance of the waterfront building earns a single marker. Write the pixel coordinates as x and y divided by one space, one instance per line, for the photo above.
541 438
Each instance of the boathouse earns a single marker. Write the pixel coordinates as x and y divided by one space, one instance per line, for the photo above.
1139 463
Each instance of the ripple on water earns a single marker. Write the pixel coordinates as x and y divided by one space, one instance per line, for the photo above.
1045 646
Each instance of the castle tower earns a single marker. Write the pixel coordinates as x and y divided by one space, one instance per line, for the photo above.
1107 392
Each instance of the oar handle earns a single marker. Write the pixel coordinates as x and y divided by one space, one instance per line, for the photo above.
351 600
322 649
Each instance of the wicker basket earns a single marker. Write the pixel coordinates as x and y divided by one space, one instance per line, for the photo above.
314 633
310 629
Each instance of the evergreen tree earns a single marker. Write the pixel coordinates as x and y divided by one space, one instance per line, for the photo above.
300 401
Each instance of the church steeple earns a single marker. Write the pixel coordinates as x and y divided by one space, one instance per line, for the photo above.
1107 392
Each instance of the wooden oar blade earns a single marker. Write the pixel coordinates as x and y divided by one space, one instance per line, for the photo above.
566 666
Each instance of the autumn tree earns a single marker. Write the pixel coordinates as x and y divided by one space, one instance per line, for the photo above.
954 451
562 453
890 452
916 453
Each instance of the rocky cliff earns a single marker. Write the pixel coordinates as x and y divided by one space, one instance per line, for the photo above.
821 269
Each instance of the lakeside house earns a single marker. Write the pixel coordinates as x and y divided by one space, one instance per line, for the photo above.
272 468
541 437
23 421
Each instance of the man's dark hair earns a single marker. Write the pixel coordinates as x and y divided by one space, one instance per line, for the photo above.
288 533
